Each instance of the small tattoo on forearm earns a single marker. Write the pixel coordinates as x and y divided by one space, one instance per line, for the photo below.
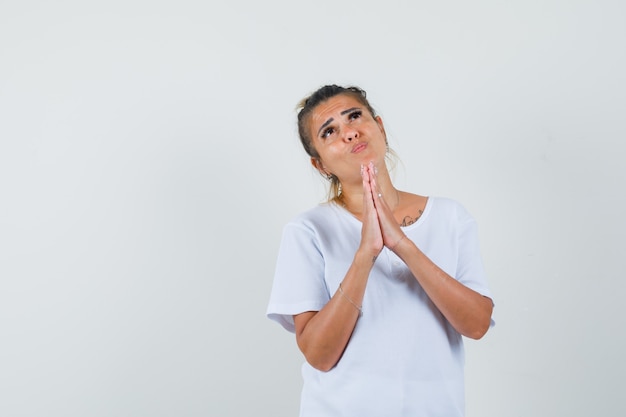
374 259
408 220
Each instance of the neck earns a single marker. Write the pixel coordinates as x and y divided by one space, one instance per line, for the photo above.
352 195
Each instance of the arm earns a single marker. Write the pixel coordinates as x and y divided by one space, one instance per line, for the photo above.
323 335
467 311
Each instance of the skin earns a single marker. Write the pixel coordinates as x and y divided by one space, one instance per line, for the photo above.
351 144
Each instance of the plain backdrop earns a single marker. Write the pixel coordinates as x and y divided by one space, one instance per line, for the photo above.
149 160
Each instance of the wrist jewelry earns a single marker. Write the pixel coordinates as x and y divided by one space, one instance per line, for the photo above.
397 243
351 302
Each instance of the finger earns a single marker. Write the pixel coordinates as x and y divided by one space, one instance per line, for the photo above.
371 226
379 198
369 170
373 173
368 204
367 183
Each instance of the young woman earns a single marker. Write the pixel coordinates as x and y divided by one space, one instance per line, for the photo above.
379 285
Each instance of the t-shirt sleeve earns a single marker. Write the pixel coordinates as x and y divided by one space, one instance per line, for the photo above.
299 284
470 269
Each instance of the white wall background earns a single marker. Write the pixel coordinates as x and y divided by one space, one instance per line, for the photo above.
149 159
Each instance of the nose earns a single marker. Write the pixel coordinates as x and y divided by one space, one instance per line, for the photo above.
351 134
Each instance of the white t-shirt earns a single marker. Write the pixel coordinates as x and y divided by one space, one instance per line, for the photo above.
404 358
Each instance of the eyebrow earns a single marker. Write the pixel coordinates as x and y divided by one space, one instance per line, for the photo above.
329 121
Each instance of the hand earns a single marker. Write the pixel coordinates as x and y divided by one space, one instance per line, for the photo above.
391 232
371 235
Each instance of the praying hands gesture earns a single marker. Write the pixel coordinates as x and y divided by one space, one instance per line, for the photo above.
323 335
467 311
379 223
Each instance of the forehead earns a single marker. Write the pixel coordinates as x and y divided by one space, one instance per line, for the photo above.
332 108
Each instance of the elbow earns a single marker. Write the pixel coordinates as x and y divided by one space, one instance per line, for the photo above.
319 356
320 361
320 365
480 327
479 331
482 322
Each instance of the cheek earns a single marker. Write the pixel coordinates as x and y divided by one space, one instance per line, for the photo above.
315 147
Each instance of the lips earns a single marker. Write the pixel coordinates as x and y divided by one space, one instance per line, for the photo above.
359 147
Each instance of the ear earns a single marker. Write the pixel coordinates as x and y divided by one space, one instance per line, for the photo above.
319 166
379 120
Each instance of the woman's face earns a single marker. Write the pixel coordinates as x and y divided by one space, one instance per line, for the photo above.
346 136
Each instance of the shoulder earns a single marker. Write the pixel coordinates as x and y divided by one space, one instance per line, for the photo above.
448 207
445 202
311 230
322 216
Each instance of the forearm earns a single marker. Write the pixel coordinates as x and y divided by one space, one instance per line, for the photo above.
467 311
323 336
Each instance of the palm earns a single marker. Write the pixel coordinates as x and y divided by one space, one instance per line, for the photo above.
371 232
389 229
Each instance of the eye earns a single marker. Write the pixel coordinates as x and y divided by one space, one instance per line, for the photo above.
355 115
327 132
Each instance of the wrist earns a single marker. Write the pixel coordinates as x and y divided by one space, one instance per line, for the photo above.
401 244
364 257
